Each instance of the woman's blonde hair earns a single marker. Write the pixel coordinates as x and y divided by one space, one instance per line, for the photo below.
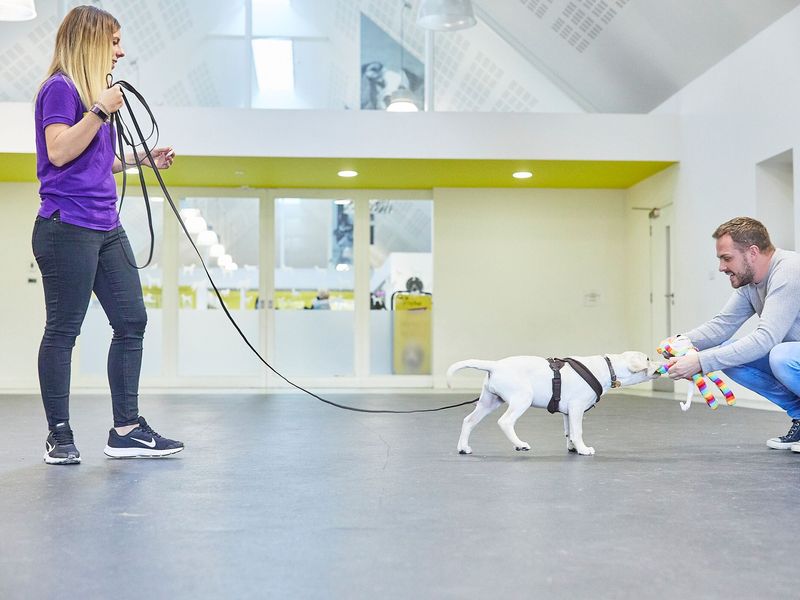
84 49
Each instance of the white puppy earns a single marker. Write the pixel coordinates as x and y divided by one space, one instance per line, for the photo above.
523 381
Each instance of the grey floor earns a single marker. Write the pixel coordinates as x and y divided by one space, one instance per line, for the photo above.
282 497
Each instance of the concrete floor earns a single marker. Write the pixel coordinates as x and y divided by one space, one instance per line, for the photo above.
283 497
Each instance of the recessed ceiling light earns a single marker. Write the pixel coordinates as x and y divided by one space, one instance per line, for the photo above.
348 173
522 175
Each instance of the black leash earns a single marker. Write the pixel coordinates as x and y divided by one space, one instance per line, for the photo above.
124 134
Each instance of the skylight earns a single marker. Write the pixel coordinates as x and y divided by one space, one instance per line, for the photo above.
274 64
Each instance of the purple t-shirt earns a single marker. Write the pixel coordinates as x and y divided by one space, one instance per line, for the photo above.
84 189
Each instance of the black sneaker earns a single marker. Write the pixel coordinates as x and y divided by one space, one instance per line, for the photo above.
785 442
60 447
141 442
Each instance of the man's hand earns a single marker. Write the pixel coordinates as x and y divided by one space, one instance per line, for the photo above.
683 367
670 341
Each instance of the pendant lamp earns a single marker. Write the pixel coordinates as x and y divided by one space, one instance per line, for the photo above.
17 10
402 100
445 15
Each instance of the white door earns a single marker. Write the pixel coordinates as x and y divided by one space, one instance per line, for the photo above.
662 296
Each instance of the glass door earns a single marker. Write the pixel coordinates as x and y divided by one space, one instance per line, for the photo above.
313 301
226 231
401 286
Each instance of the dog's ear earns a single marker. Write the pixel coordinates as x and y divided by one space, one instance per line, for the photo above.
637 361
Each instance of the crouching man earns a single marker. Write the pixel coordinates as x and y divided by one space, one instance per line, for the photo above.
766 282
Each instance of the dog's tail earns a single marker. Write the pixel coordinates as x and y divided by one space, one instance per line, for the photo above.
474 363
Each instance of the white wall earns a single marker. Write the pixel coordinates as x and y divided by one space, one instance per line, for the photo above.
775 198
21 303
656 191
739 113
306 133
514 270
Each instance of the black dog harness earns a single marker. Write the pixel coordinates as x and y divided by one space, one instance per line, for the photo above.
557 363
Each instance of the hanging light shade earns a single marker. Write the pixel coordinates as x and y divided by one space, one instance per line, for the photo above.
216 250
207 238
402 100
445 15
187 213
195 225
17 10
225 259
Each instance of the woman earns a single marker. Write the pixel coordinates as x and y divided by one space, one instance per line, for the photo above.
78 241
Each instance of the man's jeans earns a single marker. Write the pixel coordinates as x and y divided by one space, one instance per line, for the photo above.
75 261
775 376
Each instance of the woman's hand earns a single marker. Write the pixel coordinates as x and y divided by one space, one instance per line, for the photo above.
110 100
163 158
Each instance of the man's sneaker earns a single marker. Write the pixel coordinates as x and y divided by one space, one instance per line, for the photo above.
141 442
60 446
785 442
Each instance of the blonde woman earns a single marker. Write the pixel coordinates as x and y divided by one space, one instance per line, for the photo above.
78 241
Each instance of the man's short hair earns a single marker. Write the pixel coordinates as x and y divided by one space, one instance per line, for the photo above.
745 232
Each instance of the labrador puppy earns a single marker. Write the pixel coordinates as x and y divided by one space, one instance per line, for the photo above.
524 381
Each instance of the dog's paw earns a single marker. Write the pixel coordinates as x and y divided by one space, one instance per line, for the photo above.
588 451
571 446
465 450
523 448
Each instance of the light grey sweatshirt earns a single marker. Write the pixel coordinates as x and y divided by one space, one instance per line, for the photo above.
776 300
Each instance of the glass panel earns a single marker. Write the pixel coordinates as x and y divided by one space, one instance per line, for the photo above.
226 232
96 332
347 54
401 286
287 83
314 307
387 67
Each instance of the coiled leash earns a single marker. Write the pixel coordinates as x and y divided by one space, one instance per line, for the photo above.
124 134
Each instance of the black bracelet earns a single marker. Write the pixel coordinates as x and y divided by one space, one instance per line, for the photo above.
99 112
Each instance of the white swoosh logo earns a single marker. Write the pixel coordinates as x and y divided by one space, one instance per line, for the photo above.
49 447
150 444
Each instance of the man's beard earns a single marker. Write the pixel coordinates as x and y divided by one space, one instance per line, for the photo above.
745 277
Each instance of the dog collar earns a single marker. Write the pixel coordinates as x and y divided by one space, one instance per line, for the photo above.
615 383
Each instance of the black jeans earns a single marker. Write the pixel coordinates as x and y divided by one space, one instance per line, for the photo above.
75 261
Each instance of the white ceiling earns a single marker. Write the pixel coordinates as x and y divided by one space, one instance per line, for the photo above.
627 55
619 56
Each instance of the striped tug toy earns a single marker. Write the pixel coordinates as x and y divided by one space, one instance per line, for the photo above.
680 345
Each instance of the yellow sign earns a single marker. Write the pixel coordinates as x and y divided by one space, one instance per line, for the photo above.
411 334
